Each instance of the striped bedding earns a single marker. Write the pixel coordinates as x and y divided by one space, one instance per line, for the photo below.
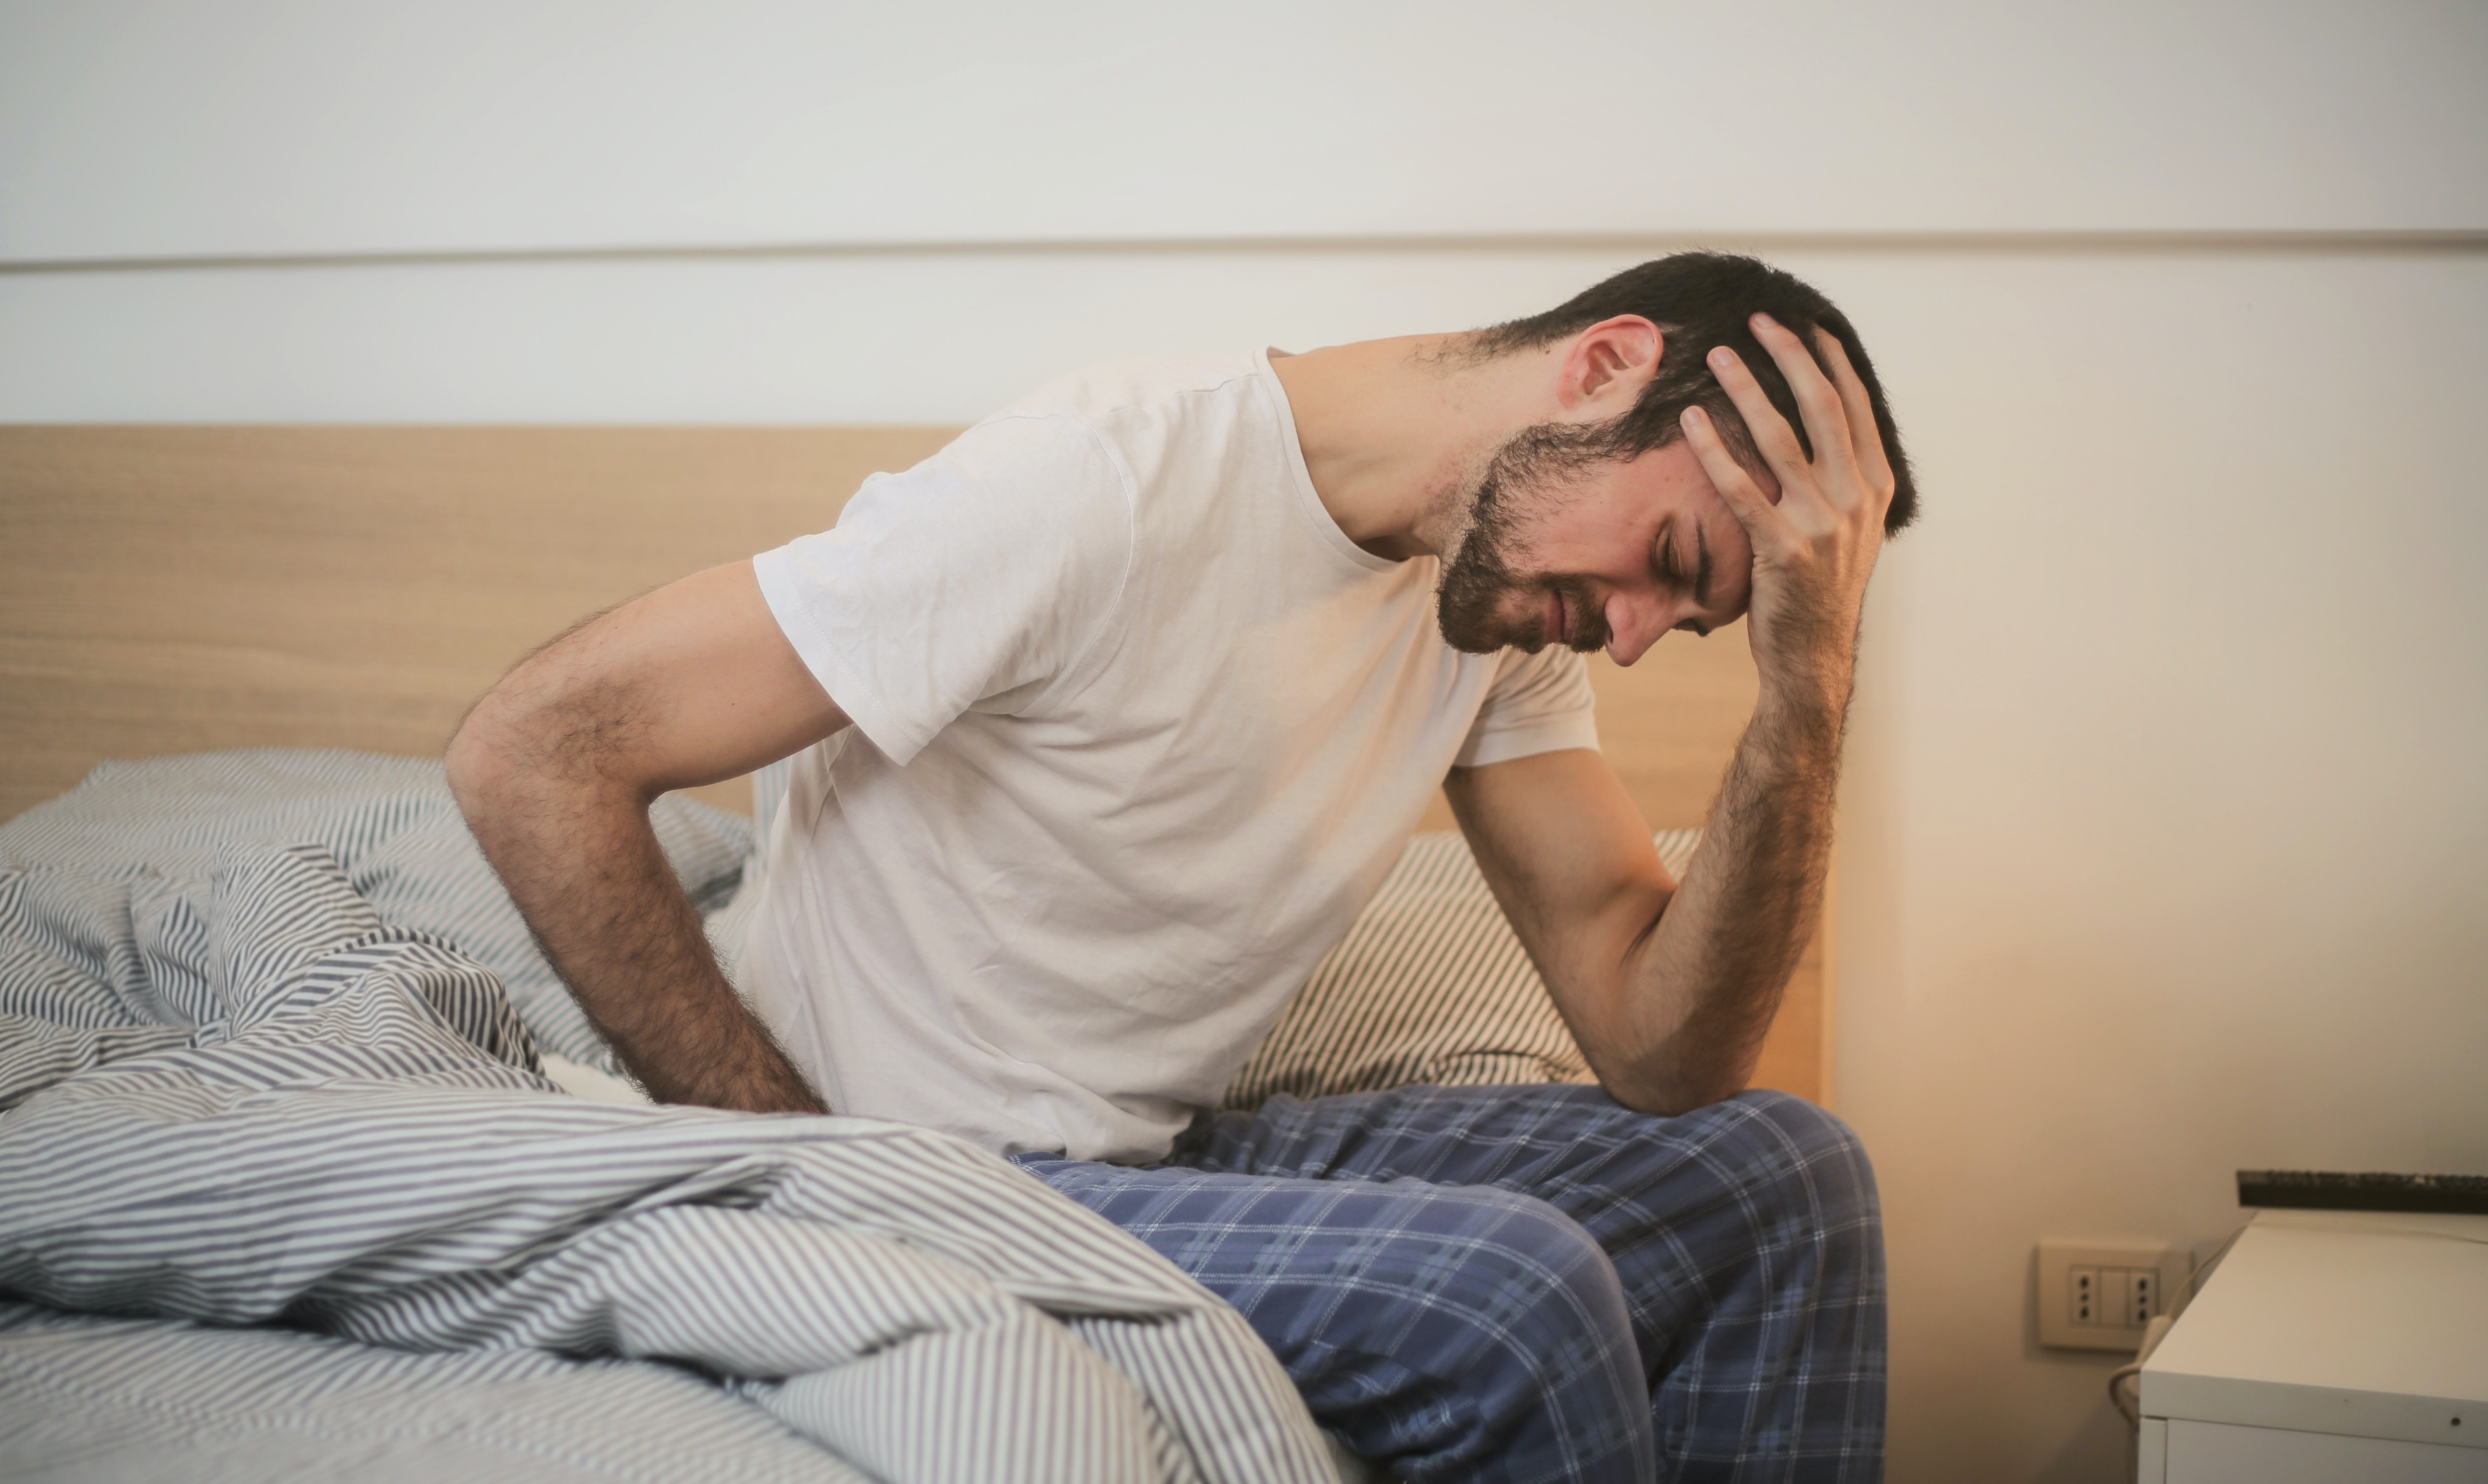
287 1196
389 821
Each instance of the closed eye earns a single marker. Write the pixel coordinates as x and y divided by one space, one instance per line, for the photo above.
1666 562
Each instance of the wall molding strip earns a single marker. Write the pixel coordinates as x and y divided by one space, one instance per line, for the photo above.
2035 242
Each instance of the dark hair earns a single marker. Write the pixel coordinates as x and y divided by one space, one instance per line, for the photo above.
1698 300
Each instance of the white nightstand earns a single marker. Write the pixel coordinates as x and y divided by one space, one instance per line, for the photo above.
2328 1346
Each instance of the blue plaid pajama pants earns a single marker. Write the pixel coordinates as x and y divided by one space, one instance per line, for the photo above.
1537 1283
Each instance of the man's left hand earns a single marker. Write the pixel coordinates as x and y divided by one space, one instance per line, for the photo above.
1815 546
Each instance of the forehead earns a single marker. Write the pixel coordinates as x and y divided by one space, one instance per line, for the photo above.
1667 485
1673 468
1665 497
1678 468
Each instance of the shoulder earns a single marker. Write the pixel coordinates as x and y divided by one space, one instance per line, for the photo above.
1018 501
1091 430
1017 476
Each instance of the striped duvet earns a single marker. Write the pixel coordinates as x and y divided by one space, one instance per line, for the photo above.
283 1194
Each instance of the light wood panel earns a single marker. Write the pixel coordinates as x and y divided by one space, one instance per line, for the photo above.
173 589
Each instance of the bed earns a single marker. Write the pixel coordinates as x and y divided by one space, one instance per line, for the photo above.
271 632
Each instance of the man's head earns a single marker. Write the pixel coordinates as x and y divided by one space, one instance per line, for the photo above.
1567 515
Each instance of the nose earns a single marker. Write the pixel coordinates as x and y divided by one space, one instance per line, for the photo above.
1634 622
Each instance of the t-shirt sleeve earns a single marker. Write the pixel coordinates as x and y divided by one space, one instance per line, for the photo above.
990 567
1538 703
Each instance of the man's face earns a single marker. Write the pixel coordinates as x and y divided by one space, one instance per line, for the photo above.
1609 555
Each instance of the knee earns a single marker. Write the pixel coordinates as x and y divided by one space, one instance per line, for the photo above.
1464 1330
1813 1161
1496 1270
1539 1256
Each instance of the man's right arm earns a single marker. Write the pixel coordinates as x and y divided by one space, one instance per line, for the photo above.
556 770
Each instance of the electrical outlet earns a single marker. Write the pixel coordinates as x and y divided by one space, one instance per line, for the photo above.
2099 1296
2138 1299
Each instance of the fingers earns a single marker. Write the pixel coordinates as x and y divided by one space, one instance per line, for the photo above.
1865 438
1826 420
1772 436
1744 499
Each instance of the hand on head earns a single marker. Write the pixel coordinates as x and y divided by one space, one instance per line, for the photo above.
1815 546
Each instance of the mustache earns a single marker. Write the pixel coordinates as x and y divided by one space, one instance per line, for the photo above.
1585 617
1478 585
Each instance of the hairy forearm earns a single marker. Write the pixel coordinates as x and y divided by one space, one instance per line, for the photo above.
1700 988
585 867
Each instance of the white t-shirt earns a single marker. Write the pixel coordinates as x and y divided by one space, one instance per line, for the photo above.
1138 730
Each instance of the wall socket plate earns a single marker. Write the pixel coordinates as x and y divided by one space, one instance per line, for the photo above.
2103 1295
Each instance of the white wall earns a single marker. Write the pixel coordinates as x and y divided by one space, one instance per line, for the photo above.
262 126
2165 824
2168 790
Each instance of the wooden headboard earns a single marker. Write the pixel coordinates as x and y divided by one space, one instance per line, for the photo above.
176 589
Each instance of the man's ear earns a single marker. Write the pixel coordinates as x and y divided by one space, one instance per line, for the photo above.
1608 365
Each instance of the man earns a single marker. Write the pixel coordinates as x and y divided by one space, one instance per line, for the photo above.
1120 708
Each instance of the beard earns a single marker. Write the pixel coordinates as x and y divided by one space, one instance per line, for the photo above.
1530 475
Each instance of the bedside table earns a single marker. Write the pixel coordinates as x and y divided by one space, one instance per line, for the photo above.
2328 1346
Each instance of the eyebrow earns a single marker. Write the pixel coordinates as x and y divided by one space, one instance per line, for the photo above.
1701 566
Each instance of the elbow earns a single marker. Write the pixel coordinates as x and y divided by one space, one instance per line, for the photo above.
479 758
511 748
533 744
1669 1086
1674 1101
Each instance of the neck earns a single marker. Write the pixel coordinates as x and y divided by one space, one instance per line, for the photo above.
1395 431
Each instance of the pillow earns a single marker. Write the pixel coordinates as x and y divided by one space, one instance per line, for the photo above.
1430 985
